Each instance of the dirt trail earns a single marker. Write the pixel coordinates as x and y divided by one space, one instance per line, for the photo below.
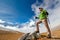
55 36
5 35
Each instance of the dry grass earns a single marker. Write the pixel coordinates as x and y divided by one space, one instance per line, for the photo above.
55 35
5 35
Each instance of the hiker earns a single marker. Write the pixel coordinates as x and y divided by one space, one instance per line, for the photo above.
43 19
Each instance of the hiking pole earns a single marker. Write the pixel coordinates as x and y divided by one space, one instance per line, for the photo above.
49 22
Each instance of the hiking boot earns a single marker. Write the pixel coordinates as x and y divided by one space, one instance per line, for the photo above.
36 31
49 36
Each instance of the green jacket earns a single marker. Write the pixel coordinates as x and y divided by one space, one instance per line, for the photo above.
43 15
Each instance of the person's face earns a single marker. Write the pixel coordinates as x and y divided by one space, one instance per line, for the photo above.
41 9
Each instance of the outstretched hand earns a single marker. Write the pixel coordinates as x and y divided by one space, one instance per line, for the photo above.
36 18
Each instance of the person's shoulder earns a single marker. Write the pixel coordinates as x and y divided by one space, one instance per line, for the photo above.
45 10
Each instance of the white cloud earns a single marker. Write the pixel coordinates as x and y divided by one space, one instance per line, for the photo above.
27 27
30 27
54 12
54 16
10 23
2 24
1 21
11 27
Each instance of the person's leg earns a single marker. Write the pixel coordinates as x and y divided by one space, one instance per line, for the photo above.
47 26
37 26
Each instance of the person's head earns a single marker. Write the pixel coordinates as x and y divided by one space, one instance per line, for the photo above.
41 9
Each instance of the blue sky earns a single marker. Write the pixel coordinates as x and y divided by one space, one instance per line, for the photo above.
19 14
16 10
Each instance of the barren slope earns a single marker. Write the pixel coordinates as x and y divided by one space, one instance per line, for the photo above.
9 35
55 35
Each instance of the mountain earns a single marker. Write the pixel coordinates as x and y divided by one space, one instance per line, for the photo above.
8 34
56 27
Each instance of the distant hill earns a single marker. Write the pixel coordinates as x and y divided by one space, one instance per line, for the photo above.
8 34
55 34
56 27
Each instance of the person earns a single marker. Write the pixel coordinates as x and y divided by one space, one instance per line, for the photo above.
43 19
